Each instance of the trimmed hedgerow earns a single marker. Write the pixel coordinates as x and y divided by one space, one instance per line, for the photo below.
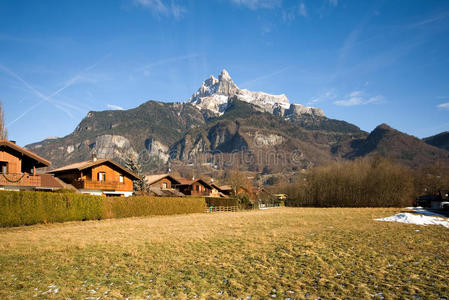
211 201
146 206
27 208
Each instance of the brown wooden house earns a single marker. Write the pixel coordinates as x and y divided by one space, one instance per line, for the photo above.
223 190
194 187
162 181
163 185
98 177
18 169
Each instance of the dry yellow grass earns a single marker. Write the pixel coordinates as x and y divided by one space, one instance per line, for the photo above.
279 253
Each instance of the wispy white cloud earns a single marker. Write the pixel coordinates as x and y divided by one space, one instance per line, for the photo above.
432 19
443 106
351 41
302 9
326 96
264 77
358 98
115 107
163 8
333 2
147 68
256 4
290 13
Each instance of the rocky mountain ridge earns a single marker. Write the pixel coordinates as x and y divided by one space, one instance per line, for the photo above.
247 130
440 140
215 94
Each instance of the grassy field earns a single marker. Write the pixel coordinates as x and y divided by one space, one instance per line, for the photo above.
279 253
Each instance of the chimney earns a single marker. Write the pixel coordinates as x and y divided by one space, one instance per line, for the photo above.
94 157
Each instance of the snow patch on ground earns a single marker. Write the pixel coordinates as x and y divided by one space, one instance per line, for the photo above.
420 210
419 216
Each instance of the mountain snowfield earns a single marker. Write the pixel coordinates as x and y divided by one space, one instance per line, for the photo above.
215 94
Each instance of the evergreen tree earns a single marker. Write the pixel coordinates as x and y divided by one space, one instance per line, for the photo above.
134 166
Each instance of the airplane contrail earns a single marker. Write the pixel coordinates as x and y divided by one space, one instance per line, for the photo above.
65 107
169 60
248 82
24 113
75 78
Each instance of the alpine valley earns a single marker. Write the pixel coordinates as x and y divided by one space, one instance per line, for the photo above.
222 126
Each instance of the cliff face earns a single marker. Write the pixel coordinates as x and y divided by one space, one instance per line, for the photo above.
146 131
156 133
245 136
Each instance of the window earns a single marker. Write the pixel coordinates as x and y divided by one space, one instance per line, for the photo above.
4 167
164 185
197 188
122 179
101 176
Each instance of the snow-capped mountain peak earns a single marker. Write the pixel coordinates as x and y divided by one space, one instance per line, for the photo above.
224 75
214 95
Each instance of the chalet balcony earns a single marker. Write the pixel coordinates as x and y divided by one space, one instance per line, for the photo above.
17 179
100 185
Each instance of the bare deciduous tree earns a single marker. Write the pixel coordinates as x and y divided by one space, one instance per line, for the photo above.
237 179
3 130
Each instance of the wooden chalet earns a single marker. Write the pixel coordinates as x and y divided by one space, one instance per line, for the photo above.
163 185
162 181
223 190
98 177
195 187
18 169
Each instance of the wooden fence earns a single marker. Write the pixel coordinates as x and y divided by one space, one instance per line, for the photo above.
221 209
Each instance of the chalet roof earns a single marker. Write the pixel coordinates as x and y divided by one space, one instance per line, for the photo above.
222 187
226 188
185 181
42 161
89 164
150 179
166 193
50 182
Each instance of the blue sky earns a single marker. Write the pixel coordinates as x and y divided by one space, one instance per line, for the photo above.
365 62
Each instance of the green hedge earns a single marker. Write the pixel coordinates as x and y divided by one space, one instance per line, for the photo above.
146 206
211 201
27 208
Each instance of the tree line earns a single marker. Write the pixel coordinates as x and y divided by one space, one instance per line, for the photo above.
365 182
